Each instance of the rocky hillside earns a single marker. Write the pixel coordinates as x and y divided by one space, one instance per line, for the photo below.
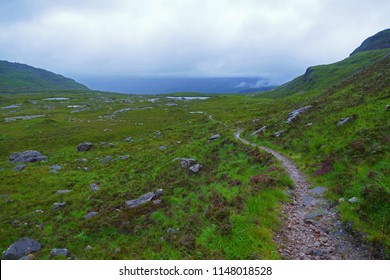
16 77
379 41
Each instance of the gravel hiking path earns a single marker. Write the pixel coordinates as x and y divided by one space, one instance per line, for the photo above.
312 229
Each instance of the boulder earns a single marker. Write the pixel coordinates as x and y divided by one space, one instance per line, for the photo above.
344 121
317 191
187 162
144 198
195 168
21 248
90 215
27 156
59 252
353 200
215 136
84 146
58 205
293 114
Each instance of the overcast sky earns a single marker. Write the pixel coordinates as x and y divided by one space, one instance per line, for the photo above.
276 39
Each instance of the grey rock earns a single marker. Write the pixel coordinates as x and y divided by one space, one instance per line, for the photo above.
387 107
162 148
308 200
59 252
342 199
257 131
124 157
21 248
353 200
313 215
344 121
62 191
187 162
144 198
277 134
141 200
317 191
295 113
128 139
27 156
19 167
256 120
107 159
309 124
55 168
158 133
106 144
94 187
13 106
90 215
82 160
58 205
214 137
196 168
84 146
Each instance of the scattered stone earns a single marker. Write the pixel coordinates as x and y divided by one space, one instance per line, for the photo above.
59 252
277 134
106 144
62 191
55 168
82 160
144 198
90 215
157 201
24 118
21 248
214 137
58 205
88 248
196 168
187 162
27 156
19 167
343 121
107 159
342 199
128 139
353 200
387 107
124 157
256 121
162 148
317 191
257 131
158 133
56 99
313 215
171 104
309 124
94 187
13 106
293 114
308 200
84 146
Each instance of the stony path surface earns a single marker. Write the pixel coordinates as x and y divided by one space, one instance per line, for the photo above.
312 228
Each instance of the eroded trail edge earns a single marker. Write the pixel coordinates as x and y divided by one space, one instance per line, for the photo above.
312 228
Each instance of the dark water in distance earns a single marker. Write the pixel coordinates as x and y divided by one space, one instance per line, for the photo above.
147 85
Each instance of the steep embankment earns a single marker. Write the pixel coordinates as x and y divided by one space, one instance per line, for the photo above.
16 77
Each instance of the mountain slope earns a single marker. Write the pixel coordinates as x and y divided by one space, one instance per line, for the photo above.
16 77
381 40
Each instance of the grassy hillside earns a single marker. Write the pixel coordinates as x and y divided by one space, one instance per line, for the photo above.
352 159
317 78
16 77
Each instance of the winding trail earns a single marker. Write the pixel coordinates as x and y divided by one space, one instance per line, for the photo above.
312 228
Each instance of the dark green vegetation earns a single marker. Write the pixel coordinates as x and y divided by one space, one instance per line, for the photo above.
231 207
16 77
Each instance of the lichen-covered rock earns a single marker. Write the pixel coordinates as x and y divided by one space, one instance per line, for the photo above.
21 248
144 198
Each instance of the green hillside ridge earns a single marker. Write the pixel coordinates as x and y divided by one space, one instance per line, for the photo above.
381 40
16 78
321 77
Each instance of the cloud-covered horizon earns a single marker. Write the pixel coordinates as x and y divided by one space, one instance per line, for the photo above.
276 40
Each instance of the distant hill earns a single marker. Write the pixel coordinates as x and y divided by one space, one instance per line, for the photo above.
321 77
381 40
17 77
